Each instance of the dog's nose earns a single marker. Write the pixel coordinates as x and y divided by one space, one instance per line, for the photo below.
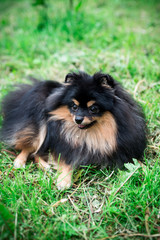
79 119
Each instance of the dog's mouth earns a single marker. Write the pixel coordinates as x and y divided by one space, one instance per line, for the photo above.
81 126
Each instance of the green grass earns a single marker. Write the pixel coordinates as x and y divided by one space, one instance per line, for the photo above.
118 37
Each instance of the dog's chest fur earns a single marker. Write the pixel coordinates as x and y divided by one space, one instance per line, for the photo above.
101 137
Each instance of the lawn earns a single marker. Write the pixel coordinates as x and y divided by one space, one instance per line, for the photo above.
48 39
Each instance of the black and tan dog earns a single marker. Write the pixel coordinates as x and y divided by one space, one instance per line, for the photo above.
87 120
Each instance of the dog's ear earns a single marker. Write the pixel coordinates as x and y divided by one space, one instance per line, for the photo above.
107 81
104 80
69 78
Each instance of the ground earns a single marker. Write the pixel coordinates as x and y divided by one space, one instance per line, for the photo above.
48 39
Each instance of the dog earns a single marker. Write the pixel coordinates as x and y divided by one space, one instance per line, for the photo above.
86 120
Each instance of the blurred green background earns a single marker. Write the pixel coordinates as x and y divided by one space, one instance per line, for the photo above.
50 38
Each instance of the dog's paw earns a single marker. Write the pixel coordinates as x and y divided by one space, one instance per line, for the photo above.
18 163
42 164
63 183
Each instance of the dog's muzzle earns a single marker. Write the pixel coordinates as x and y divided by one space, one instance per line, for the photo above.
79 119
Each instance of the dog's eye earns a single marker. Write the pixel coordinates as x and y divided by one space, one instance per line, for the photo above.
74 107
94 109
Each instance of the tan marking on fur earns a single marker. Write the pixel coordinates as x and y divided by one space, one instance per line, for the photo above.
41 137
75 102
73 117
65 178
61 113
86 121
90 103
42 163
21 159
27 138
100 137
106 86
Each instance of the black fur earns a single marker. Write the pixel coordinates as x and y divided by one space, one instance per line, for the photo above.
33 104
24 107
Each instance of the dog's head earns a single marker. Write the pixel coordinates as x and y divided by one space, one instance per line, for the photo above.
83 99
88 97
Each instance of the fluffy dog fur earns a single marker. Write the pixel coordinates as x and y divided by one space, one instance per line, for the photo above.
86 120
